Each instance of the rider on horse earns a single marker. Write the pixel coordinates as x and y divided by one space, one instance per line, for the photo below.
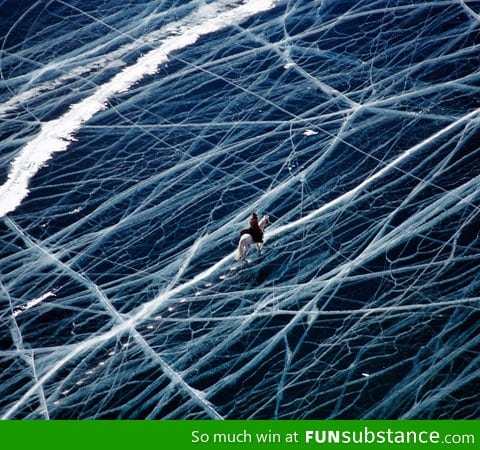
255 231
252 235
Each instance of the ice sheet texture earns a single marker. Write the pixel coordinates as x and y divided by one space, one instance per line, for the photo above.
136 139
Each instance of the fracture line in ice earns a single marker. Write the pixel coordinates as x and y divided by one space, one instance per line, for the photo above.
149 308
341 272
444 205
329 90
469 10
335 313
121 327
443 360
128 326
27 355
391 165
55 135
109 60
41 391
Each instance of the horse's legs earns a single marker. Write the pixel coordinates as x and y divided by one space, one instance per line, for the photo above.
259 247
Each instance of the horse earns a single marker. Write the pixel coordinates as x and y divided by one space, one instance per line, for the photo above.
246 240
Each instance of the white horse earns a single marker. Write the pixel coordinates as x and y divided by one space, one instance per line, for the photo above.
246 240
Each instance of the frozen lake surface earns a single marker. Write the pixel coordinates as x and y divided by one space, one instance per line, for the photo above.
137 138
